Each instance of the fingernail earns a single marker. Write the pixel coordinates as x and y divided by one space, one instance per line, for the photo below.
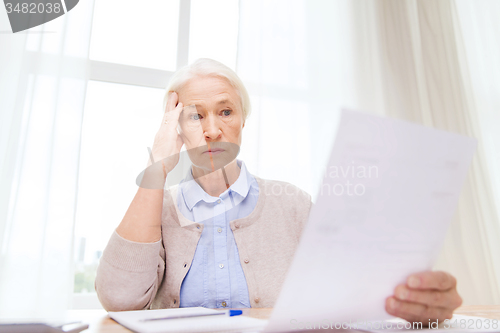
393 304
413 282
403 294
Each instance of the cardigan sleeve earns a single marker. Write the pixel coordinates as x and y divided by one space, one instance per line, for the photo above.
303 207
129 274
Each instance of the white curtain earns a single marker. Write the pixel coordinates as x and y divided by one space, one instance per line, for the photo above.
480 29
42 89
430 62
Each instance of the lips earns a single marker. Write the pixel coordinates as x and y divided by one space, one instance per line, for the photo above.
214 151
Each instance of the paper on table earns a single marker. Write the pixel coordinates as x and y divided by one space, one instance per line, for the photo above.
387 197
133 321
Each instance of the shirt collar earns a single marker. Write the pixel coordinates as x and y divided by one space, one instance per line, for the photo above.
193 193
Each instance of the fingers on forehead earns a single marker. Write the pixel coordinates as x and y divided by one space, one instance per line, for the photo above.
436 280
172 101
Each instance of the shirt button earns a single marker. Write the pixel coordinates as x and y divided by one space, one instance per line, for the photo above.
247 261
257 300
236 225
219 229
224 304
221 265
218 201
198 226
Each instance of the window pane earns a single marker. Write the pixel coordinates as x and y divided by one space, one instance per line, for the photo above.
138 33
120 122
214 31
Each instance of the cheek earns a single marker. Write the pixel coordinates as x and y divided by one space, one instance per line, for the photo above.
192 138
232 128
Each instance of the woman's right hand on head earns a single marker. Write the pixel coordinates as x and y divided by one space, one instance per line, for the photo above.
167 143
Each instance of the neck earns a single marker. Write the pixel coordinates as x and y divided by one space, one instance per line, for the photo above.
214 183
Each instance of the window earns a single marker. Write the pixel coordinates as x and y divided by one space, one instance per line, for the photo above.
134 51
138 34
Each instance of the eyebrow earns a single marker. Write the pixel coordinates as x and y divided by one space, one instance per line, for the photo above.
224 101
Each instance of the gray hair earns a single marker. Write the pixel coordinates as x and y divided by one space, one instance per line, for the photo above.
208 67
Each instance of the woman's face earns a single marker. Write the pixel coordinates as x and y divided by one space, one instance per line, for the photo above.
211 121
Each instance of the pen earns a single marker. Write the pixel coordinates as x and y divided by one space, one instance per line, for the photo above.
230 313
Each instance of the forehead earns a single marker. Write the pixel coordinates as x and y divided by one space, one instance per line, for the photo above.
208 89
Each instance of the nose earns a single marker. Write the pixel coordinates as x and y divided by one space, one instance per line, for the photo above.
211 128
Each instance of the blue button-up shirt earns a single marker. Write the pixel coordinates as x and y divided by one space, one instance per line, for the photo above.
215 278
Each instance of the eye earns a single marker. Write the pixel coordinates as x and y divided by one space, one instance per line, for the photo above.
196 116
226 112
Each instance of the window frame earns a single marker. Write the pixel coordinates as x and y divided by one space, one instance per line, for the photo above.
137 76
143 76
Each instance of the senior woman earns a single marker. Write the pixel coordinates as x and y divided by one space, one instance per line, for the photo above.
221 238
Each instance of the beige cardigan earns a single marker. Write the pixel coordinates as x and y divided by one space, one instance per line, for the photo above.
133 276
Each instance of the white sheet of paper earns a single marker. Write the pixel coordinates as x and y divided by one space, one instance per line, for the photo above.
388 195
133 321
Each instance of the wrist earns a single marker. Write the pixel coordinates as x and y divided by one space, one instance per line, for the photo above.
154 176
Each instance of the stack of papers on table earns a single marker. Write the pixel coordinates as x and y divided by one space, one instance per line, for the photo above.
134 320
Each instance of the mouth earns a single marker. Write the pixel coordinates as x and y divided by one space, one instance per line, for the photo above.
214 151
